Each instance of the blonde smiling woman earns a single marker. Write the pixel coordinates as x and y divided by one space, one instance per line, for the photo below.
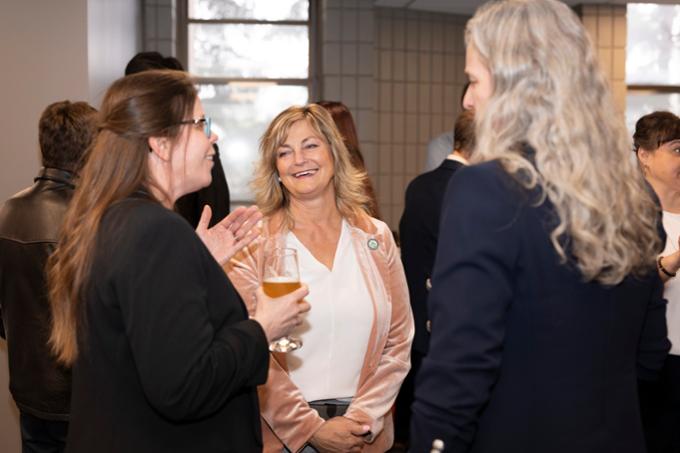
335 393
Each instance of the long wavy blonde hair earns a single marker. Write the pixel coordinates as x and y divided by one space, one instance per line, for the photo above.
549 93
348 180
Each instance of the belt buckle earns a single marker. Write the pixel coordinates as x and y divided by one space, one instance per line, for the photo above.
331 410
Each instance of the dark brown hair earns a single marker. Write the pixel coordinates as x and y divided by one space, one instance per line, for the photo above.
135 108
144 61
65 132
343 120
655 129
464 133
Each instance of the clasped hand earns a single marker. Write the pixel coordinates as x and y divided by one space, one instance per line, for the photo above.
340 435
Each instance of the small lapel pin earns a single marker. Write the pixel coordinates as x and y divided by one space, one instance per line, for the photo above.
372 244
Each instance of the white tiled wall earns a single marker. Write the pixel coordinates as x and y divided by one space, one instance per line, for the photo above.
608 30
400 72
421 76
348 67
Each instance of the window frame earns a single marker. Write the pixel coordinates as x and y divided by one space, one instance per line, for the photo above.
646 89
312 82
312 23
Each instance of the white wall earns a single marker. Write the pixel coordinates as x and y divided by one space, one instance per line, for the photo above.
114 36
51 51
44 53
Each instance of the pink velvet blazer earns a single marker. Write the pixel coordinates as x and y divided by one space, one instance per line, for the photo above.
287 417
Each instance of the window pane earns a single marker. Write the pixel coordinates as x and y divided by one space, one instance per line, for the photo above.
653 52
641 104
239 50
249 9
241 112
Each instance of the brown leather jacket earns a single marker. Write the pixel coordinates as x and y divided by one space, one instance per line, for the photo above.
287 417
29 227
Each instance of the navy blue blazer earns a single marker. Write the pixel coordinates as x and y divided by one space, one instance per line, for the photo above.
524 355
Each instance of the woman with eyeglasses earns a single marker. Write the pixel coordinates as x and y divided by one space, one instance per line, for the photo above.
164 355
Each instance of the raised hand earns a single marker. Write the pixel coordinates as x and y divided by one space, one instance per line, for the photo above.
234 232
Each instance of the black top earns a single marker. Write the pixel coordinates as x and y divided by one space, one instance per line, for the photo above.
29 229
169 361
524 355
419 231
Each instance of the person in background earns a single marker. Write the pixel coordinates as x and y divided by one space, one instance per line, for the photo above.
546 304
657 145
440 147
29 228
216 195
143 61
164 356
437 150
345 124
419 232
335 394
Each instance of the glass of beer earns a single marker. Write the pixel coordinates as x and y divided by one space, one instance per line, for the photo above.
281 276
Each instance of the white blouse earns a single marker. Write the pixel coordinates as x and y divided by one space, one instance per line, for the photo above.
336 329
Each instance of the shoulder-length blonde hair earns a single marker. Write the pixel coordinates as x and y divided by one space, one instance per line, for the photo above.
549 93
136 107
348 180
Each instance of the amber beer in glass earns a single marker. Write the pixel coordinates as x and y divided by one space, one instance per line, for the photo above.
277 288
281 276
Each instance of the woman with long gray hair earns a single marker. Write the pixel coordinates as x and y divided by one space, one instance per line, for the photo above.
545 304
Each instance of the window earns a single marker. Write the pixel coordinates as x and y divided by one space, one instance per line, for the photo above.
652 60
252 59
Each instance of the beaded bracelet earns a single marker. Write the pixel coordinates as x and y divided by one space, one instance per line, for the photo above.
664 270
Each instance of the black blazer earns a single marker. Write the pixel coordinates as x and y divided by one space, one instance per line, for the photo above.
169 361
524 355
418 232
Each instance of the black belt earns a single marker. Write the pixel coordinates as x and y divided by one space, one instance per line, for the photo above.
327 409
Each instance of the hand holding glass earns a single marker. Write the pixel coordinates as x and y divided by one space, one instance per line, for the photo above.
281 276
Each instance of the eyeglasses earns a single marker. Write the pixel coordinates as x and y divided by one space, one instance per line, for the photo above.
205 121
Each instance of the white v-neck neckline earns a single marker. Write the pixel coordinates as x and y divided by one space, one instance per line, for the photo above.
338 248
